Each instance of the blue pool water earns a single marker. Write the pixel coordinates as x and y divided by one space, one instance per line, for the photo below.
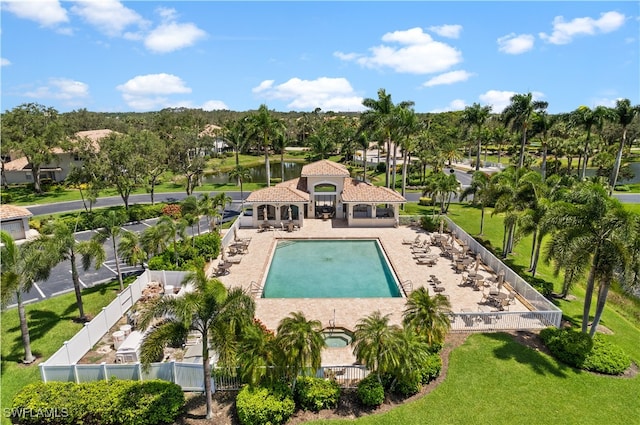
329 269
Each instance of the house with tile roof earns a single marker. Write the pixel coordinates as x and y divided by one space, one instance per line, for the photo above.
325 190
18 170
15 221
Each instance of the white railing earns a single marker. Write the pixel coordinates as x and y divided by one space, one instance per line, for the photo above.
545 311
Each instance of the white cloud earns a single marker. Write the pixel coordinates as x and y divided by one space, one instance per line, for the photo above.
498 100
173 36
263 86
513 44
329 94
214 105
564 32
449 31
69 91
109 16
5 62
418 53
148 92
448 78
454 105
47 13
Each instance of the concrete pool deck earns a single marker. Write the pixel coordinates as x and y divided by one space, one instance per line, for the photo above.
348 311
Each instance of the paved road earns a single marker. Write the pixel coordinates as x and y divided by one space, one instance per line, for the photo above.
60 280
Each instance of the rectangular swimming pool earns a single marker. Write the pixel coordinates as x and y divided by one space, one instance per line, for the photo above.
330 269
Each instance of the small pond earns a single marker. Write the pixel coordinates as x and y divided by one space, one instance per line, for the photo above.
258 173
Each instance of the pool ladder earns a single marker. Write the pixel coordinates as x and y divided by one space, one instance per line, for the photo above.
255 289
407 286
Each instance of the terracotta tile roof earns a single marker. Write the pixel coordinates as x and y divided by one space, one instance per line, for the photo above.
359 191
298 183
324 168
7 212
280 193
17 164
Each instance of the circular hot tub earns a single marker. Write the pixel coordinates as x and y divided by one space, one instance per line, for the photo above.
337 337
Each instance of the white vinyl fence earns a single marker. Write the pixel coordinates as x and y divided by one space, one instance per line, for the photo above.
544 313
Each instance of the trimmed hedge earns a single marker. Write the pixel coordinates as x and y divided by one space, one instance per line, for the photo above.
568 346
262 405
606 357
114 402
316 394
370 391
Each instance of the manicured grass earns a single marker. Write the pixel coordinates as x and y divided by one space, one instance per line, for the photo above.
494 380
51 322
622 321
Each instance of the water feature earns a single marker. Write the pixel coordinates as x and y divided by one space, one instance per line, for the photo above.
258 173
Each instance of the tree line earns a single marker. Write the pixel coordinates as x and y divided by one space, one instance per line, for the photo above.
143 146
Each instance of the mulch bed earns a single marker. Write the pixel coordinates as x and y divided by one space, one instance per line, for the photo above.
224 412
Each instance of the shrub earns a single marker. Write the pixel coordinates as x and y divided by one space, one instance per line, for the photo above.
606 357
381 167
370 391
207 245
431 369
430 223
408 385
172 210
425 201
316 393
264 405
568 346
116 402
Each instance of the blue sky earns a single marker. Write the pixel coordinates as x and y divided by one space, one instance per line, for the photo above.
111 56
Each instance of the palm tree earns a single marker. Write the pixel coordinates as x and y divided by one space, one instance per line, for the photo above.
504 186
131 249
265 127
22 265
587 118
519 114
363 141
302 342
280 143
206 208
190 209
625 113
259 356
153 240
65 245
543 124
217 315
428 315
475 116
220 202
241 174
380 117
591 228
480 188
172 230
234 134
408 126
442 186
110 228
373 343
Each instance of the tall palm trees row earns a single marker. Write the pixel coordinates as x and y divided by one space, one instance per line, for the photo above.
586 230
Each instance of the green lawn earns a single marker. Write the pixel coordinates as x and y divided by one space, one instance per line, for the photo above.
493 380
50 324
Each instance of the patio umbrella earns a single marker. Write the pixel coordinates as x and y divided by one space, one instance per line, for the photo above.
264 214
477 262
500 277
224 255
235 234
289 211
441 225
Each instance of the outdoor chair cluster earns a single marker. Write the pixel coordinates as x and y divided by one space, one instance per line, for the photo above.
239 247
421 251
